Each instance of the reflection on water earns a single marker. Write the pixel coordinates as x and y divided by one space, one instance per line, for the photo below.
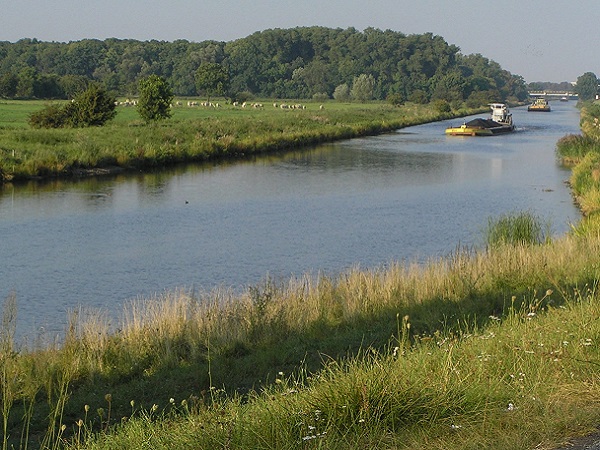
409 195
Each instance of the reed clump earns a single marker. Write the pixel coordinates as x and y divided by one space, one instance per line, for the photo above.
522 228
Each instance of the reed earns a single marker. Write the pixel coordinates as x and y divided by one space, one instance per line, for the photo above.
523 228
572 148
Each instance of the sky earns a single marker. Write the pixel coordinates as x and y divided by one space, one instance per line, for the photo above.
541 40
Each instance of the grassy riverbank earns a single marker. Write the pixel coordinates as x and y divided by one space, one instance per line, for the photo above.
192 134
490 349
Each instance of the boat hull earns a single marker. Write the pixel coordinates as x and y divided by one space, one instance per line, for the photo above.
539 105
470 131
538 109
480 127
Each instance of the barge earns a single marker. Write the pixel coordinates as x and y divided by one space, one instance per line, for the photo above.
500 122
540 105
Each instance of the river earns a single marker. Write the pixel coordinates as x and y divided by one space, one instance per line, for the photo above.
405 196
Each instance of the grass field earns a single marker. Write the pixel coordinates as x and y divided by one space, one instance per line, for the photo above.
192 134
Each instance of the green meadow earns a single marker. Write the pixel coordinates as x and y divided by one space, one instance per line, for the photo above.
490 348
191 134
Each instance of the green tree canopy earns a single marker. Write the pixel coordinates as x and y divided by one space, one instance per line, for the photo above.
363 87
342 93
155 99
212 79
587 86
283 63
8 84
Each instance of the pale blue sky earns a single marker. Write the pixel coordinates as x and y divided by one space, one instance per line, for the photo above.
541 40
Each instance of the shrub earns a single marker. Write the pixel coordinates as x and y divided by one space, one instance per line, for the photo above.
395 99
52 116
320 96
342 93
442 106
363 87
242 97
418 96
92 107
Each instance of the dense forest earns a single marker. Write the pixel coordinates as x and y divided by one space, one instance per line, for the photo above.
302 63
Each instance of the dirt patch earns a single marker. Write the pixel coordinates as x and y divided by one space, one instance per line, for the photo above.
589 442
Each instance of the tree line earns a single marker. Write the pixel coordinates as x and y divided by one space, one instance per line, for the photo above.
303 63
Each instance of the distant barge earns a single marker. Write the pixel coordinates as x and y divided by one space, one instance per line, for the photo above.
500 122
540 105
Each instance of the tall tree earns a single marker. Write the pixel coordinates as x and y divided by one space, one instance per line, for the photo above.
155 99
362 87
212 79
587 86
8 85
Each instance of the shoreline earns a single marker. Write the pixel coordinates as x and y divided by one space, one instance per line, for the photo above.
190 140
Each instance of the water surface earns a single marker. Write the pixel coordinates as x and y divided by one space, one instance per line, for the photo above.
409 195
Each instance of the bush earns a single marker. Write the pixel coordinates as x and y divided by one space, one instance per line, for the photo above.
92 107
242 97
442 106
395 99
418 96
342 93
320 97
52 116
363 87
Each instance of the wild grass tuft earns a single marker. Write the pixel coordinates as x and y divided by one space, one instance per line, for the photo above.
522 228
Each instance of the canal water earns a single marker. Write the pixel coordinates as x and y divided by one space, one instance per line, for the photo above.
410 195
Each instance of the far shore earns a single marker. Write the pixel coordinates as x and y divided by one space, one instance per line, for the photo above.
194 135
